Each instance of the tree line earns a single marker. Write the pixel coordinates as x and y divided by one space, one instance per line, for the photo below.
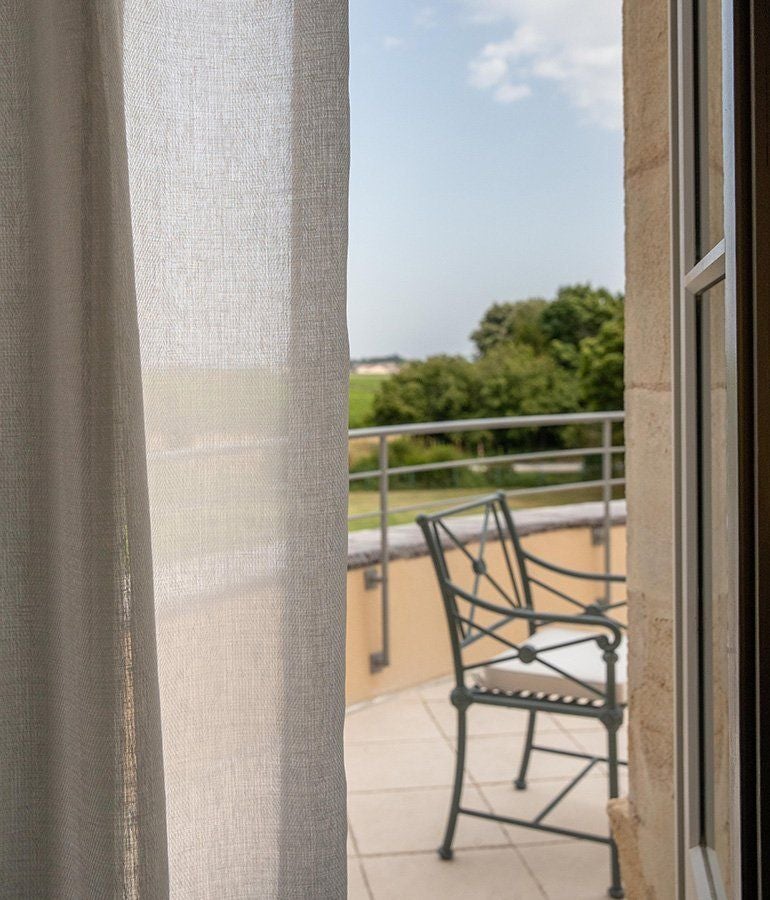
532 357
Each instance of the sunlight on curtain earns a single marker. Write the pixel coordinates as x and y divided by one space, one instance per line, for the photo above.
239 205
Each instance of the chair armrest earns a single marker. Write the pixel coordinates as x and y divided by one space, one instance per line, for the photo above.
544 618
574 573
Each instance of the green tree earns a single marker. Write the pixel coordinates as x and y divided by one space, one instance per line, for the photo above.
535 357
600 366
516 322
577 313
438 388
516 381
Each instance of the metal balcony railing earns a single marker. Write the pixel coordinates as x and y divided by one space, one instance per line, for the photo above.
607 450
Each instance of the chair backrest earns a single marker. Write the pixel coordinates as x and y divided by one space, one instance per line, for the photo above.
487 602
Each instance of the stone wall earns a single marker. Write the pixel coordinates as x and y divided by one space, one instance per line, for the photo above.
644 822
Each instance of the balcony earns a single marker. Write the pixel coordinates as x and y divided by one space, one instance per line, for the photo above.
400 725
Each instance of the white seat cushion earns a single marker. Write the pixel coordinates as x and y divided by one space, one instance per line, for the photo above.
584 661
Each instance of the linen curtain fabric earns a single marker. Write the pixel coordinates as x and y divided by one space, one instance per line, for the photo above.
172 447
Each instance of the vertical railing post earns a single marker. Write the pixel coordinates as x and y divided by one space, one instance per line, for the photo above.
381 658
607 500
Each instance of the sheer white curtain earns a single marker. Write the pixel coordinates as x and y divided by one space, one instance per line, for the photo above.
172 446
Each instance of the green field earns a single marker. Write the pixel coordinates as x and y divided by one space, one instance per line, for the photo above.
362 391
366 501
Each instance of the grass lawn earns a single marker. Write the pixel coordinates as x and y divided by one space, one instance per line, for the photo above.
362 391
366 501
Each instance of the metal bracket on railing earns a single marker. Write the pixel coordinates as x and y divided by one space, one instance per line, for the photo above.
377 662
607 502
381 658
372 578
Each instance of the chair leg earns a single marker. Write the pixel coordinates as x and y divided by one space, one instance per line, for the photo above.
445 850
521 782
616 886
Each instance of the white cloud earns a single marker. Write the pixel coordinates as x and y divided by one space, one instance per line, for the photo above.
390 42
510 93
488 71
575 44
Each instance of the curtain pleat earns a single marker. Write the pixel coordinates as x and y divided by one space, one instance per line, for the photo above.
173 447
82 807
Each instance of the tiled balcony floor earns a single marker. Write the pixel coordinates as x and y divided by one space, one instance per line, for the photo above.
400 754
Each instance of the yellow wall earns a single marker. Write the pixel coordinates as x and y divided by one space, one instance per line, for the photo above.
418 630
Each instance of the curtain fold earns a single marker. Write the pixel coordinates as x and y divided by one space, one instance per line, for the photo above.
173 447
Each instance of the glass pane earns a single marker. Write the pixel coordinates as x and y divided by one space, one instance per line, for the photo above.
716 604
710 178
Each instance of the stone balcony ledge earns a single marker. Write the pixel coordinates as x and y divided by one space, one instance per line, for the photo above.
406 541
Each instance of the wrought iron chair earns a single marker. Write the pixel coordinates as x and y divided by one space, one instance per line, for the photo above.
570 664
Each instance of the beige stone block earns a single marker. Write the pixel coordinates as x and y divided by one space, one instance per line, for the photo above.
649 490
625 830
651 732
651 752
648 281
645 77
647 225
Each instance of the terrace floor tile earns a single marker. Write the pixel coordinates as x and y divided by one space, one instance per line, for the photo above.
414 820
391 765
487 720
497 874
357 886
496 758
390 719
400 766
577 870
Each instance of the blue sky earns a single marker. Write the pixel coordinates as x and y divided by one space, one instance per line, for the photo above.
486 162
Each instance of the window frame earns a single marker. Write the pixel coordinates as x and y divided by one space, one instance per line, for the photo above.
739 261
693 275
